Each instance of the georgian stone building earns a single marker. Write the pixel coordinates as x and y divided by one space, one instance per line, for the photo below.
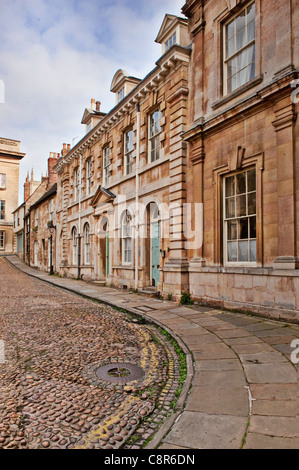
243 159
10 157
121 189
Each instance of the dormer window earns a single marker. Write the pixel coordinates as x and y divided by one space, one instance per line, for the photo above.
121 94
174 30
88 127
122 84
170 42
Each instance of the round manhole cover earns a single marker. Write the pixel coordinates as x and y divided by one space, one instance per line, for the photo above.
119 372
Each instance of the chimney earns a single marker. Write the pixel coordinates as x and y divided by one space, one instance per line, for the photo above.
93 104
52 176
26 188
64 150
98 105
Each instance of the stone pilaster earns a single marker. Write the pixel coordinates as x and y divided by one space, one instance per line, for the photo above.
176 276
64 225
286 225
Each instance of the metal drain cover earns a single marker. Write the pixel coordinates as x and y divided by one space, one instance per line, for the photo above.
119 372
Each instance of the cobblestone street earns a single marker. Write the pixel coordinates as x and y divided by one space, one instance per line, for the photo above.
50 393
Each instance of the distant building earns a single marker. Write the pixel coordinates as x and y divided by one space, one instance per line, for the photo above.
30 186
40 219
18 229
10 157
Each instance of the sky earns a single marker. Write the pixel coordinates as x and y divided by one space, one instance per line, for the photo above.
55 55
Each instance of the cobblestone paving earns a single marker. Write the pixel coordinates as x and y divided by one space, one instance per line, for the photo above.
50 393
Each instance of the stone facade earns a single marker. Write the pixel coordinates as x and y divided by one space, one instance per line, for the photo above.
121 189
243 127
10 157
190 183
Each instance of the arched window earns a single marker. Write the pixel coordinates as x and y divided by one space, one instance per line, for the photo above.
126 236
75 245
86 244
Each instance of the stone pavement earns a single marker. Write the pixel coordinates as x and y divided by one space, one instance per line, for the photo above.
241 389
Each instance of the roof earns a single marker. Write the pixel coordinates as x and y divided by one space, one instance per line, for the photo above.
19 207
100 190
47 195
168 23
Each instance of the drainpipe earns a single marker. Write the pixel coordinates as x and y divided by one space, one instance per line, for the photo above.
137 196
79 222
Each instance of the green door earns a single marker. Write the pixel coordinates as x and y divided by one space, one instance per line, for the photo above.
155 253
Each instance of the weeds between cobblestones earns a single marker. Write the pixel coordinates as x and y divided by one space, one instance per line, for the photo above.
50 396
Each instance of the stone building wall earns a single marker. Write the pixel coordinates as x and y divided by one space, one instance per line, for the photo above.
253 127
10 157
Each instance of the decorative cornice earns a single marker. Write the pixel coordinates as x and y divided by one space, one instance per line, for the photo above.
270 95
199 26
285 117
180 93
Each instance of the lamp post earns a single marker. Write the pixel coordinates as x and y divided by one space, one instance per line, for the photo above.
51 228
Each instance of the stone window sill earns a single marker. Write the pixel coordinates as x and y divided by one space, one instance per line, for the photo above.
238 92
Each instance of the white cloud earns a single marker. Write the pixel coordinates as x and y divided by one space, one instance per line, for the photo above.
56 55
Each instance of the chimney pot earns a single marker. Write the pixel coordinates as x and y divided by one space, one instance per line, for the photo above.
93 104
98 105
64 146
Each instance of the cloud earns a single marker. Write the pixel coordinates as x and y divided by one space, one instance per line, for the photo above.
56 56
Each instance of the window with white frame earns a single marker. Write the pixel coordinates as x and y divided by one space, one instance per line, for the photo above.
2 240
239 49
240 218
76 184
75 246
2 210
129 152
154 136
86 244
170 42
2 181
88 176
126 236
106 165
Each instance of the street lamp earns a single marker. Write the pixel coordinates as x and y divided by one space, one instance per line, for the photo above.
51 228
